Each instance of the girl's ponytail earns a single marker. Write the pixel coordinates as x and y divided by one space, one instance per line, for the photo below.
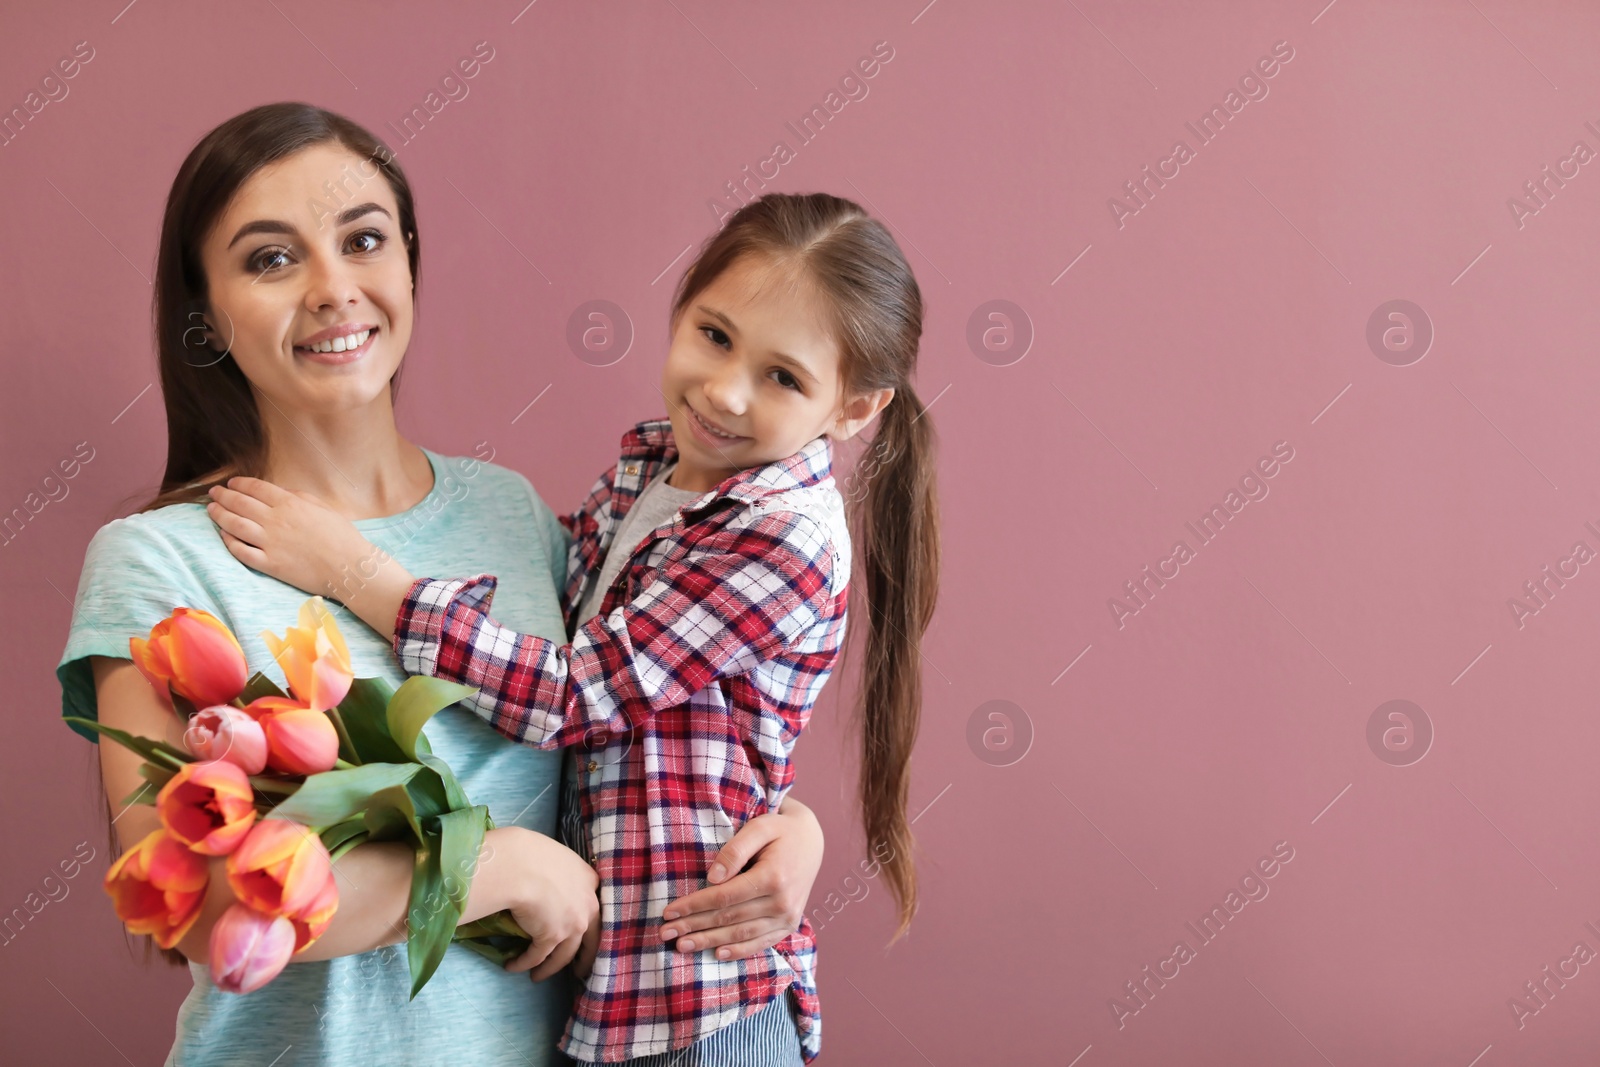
898 523
876 307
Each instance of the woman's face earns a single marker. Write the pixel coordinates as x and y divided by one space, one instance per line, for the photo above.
309 256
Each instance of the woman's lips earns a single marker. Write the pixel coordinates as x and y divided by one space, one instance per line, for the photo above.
337 358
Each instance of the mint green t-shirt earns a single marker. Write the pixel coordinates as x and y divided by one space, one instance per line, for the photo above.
478 518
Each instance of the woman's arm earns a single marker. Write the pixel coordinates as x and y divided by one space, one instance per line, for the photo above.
744 914
547 888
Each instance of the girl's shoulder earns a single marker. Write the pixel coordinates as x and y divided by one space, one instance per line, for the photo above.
809 521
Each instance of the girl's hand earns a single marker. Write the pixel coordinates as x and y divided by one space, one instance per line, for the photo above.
745 914
296 538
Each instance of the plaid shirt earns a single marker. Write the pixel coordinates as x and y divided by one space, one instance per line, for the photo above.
686 694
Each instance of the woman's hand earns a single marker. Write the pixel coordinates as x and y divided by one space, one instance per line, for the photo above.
746 914
296 538
548 889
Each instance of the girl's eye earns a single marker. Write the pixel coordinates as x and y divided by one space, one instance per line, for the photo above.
268 259
375 239
716 336
785 379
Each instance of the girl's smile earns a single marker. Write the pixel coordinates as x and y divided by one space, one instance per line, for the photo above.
710 432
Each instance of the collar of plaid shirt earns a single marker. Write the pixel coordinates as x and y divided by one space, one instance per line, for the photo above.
645 450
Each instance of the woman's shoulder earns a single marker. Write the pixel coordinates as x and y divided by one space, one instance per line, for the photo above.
166 531
487 485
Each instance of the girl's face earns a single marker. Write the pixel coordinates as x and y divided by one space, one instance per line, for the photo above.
308 257
753 374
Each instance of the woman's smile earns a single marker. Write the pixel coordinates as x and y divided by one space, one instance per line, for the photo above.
338 345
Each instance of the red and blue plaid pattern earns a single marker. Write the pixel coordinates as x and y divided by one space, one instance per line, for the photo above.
685 695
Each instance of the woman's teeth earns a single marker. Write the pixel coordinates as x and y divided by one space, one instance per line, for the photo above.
340 344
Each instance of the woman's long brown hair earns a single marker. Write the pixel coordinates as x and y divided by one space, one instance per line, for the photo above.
876 308
213 426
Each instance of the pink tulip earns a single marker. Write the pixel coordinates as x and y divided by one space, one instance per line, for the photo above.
197 655
248 949
224 732
209 807
300 740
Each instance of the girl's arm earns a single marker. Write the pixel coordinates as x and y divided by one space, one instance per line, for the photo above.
549 890
743 594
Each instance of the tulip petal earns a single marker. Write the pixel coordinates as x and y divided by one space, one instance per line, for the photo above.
249 949
208 666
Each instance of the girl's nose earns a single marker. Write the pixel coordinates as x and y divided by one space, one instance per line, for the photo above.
726 392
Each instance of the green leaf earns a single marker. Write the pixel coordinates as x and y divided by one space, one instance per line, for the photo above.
418 700
339 833
143 795
335 796
428 793
364 714
392 817
428 939
157 752
445 877
260 686
455 796
157 776
495 937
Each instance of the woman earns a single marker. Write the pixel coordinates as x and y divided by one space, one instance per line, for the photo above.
283 309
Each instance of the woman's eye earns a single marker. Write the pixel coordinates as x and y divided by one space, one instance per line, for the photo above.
268 259
367 241
716 336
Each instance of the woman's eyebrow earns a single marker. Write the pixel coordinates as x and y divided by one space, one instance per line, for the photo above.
261 226
275 226
352 213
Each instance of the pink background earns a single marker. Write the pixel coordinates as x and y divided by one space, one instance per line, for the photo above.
1228 314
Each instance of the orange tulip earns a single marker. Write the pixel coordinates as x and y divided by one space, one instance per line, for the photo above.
313 656
300 740
157 887
208 806
280 868
311 921
248 949
196 654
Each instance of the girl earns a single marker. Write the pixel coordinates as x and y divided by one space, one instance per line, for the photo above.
249 278
706 590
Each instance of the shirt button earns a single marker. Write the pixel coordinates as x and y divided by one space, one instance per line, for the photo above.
593 766
630 469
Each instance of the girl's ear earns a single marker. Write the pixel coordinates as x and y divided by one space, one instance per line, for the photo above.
860 411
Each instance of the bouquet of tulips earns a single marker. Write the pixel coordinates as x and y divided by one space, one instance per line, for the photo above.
283 784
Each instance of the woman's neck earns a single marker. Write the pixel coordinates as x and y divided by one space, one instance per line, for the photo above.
355 462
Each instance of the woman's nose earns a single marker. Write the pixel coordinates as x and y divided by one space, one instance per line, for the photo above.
332 283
